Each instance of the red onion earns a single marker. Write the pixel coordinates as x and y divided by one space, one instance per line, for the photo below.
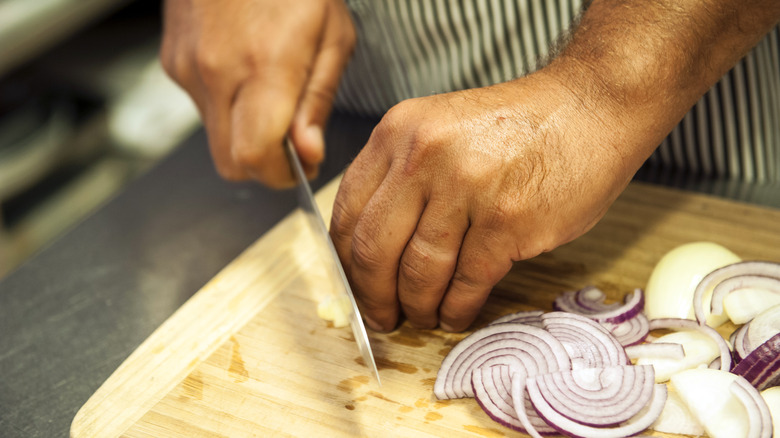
631 331
492 390
759 417
597 396
531 317
687 324
521 345
739 341
590 302
741 282
570 427
711 280
588 343
761 367
765 325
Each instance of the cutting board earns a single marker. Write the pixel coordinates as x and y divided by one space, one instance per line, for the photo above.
248 356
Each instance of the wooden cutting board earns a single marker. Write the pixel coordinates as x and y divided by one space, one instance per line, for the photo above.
248 356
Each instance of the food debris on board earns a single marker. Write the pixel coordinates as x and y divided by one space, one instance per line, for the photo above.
593 369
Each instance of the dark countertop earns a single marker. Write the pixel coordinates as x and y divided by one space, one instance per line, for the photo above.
75 311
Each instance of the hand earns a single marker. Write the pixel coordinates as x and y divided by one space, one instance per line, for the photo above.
451 189
258 70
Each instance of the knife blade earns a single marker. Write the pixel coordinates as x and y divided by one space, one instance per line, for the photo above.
336 270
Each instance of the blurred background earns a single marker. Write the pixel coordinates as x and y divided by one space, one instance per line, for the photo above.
84 108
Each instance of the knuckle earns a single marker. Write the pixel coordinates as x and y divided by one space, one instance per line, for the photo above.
341 219
366 254
415 268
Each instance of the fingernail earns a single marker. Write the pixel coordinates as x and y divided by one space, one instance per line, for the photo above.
372 324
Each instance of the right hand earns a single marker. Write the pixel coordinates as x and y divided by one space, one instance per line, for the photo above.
258 71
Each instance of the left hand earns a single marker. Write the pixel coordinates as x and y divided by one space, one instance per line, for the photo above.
451 189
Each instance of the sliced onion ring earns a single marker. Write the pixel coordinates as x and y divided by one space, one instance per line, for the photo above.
495 344
597 396
711 280
762 366
631 331
637 424
492 390
588 343
741 282
759 417
590 302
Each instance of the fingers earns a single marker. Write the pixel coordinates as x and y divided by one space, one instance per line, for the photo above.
481 264
429 260
259 119
317 100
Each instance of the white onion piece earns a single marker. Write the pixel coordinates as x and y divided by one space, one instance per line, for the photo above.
707 394
772 398
597 396
714 278
670 288
762 366
745 296
686 324
677 418
587 342
521 345
699 348
590 302
759 417
765 325
635 425
660 350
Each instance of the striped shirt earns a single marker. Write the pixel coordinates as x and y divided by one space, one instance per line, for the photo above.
410 48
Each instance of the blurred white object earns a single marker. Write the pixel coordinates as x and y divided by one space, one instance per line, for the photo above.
153 116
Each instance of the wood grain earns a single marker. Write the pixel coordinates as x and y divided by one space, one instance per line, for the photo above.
247 355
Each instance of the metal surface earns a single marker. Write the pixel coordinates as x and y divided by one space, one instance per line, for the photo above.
330 257
74 312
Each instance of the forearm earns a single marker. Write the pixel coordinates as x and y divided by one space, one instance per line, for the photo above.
648 62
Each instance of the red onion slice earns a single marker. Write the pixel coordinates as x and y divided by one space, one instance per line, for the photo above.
522 345
759 417
739 341
531 317
597 396
762 366
587 342
687 324
492 390
765 325
636 424
590 302
741 282
711 280
631 331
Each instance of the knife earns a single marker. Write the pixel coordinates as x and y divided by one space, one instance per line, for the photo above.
337 275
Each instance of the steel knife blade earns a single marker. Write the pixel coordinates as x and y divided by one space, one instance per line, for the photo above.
336 270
